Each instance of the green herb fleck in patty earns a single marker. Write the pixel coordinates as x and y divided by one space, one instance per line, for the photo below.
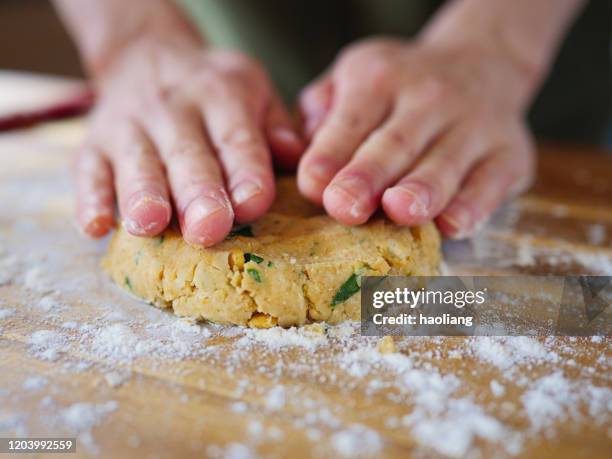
241 230
252 257
128 283
254 274
350 286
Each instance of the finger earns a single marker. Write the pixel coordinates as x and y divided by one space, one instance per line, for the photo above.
492 181
238 139
354 193
355 112
314 104
422 194
95 200
286 144
196 181
141 184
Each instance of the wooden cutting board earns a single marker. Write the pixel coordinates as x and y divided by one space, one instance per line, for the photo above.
77 357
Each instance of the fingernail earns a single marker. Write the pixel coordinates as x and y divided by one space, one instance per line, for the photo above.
200 209
420 200
355 193
460 221
95 222
244 191
321 171
146 212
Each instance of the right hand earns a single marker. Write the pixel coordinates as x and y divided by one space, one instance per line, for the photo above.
179 127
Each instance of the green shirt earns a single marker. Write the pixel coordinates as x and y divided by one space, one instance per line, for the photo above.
297 40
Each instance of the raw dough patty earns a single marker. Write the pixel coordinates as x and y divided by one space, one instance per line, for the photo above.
293 266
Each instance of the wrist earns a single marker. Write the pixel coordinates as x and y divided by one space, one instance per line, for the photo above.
524 33
144 44
494 52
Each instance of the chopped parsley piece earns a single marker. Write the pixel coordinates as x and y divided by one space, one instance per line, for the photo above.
128 283
351 286
270 264
252 257
160 239
241 230
254 274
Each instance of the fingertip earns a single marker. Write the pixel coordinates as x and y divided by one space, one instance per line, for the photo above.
251 199
207 220
348 200
457 221
96 225
148 214
407 204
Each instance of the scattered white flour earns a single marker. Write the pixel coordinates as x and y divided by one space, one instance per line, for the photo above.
596 234
459 425
34 383
50 304
239 407
116 378
8 269
357 441
507 352
81 417
118 342
231 451
36 279
547 400
275 399
497 389
47 344
279 338
525 256
599 263
5 313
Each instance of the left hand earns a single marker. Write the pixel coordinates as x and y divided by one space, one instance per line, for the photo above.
426 131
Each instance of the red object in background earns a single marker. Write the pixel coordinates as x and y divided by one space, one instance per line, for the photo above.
39 98
75 106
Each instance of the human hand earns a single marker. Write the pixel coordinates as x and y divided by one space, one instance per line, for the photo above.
425 131
184 125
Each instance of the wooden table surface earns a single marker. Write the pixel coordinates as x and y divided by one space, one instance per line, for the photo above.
78 358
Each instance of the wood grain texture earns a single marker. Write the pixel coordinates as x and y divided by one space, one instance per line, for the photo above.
200 405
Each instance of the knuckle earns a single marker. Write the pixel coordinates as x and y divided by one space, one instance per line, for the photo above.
348 122
184 150
214 82
238 137
437 89
394 139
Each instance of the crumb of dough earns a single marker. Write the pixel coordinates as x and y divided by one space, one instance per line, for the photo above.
262 320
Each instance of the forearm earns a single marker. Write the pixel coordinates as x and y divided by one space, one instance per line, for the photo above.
527 32
101 28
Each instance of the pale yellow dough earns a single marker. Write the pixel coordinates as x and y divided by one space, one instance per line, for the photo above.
307 257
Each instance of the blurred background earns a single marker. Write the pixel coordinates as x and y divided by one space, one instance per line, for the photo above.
32 38
572 107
